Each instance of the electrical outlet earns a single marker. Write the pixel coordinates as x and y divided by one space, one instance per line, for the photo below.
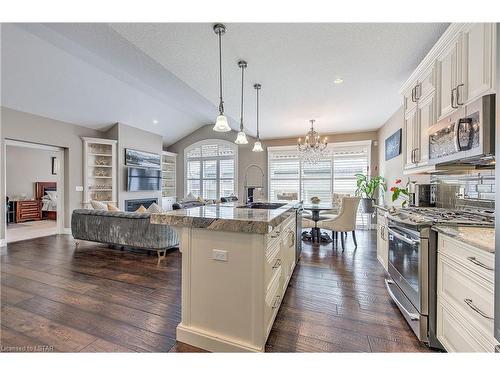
220 255
79 188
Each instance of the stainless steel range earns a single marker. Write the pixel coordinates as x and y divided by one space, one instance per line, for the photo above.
412 262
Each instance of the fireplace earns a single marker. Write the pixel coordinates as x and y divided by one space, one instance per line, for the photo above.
133 204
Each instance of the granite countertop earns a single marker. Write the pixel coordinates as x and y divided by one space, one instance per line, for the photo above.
226 217
480 237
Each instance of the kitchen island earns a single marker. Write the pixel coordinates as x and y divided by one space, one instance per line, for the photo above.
236 265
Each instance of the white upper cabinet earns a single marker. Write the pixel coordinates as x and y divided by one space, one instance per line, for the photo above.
477 62
448 72
458 70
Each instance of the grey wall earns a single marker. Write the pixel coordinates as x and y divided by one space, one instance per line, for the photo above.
245 156
24 167
23 126
393 169
130 137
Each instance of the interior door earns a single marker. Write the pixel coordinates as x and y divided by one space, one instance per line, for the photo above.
477 61
447 72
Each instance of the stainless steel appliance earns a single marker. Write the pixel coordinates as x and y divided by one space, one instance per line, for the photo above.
422 195
466 136
497 199
298 232
412 282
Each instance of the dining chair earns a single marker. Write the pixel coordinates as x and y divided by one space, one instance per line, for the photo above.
344 222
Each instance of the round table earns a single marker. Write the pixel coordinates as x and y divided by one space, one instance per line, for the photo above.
315 211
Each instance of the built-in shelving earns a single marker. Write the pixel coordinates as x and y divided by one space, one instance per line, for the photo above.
168 179
99 171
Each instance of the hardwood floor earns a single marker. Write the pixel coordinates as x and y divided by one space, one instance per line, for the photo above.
96 299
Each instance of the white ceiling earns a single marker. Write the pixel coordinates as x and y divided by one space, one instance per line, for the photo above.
98 74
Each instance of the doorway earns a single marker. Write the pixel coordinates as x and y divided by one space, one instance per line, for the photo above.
34 187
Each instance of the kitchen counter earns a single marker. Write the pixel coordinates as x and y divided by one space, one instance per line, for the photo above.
236 266
229 217
480 237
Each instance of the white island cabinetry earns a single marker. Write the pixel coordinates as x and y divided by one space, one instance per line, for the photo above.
233 281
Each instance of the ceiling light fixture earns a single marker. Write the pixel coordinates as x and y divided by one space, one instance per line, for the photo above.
338 81
257 146
241 139
312 150
221 124
155 122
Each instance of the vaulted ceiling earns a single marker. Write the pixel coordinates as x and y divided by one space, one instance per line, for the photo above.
164 77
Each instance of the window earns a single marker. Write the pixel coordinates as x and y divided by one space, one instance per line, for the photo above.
288 175
211 169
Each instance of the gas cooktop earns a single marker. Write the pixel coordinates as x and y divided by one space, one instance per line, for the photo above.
431 216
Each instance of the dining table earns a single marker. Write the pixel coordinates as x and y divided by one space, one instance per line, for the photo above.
316 209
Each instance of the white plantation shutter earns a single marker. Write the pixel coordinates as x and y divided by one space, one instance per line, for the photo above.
334 174
211 169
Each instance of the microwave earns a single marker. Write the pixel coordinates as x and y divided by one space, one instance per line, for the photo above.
466 136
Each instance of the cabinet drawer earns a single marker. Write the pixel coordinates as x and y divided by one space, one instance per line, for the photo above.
272 301
470 295
272 264
479 261
455 334
272 238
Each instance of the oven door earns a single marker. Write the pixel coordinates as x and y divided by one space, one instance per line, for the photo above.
408 265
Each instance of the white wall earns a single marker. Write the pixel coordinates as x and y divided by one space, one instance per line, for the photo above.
393 169
24 167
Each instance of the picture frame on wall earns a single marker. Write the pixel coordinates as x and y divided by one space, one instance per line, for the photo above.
393 145
142 159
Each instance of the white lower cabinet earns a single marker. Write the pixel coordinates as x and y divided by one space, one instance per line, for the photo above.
229 303
465 297
382 241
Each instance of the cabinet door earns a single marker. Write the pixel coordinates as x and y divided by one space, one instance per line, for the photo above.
409 99
477 62
425 119
382 245
426 84
448 69
410 139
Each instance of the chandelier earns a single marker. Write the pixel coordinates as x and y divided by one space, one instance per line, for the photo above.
312 150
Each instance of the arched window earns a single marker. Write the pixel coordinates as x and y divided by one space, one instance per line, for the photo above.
210 169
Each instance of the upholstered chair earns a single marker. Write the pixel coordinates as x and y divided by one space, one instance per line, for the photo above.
344 222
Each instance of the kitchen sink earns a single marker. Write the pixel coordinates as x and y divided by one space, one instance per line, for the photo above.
263 205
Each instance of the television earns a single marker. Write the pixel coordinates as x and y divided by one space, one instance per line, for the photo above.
140 179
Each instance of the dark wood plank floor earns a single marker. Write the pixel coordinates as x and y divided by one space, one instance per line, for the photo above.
96 299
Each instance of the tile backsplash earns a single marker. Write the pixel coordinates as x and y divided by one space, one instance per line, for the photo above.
472 189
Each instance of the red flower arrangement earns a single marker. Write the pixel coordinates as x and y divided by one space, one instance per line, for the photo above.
398 191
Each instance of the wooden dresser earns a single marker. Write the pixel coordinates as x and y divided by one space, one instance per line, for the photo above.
27 210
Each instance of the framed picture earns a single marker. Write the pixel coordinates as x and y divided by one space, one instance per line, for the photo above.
393 145
135 158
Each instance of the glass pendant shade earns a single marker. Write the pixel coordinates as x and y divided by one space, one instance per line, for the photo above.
221 124
257 147
241 139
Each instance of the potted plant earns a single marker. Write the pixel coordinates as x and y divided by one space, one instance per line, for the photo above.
366 189
399 191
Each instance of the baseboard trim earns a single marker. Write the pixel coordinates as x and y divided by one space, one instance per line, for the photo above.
205 340
3 242
66 231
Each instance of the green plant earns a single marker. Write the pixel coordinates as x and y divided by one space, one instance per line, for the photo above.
399 191
366 187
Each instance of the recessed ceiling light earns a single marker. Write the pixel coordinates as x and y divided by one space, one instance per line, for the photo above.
155 122
338 81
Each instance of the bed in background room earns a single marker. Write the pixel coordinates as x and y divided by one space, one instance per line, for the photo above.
46 192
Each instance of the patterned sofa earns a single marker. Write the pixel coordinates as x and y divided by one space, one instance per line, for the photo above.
128 229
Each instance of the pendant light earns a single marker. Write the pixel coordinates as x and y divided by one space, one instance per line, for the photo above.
257 146
221 124
241 139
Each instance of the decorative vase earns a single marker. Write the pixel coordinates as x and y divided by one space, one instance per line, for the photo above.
367 205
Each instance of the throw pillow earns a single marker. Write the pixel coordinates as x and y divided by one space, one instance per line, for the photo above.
189 198
141 209
155 209
96 205
200 199
112 207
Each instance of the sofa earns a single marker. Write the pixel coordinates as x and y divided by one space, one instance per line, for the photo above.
128 229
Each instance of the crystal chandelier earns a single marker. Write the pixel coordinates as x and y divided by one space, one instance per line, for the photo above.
312 150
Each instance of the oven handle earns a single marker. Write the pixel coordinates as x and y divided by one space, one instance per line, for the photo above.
403 238
412 316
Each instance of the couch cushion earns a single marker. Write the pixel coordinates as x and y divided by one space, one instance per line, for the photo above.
96 205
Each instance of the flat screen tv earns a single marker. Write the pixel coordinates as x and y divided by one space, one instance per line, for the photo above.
139 179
